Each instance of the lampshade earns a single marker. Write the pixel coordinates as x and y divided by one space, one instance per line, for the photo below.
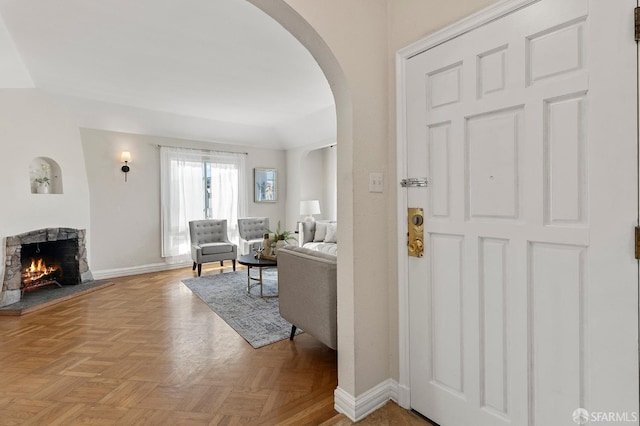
309 207
125 157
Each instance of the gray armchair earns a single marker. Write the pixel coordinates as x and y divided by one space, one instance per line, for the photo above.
252 230
307 292
210 243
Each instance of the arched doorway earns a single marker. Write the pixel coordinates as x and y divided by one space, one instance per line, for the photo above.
309 37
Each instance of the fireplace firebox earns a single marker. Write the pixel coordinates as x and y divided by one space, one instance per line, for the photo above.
49 262
47 256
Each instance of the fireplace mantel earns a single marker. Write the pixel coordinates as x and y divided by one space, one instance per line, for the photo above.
13 262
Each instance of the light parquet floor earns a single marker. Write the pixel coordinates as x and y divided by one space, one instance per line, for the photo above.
147 351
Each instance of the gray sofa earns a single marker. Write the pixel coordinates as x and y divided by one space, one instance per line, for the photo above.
307 290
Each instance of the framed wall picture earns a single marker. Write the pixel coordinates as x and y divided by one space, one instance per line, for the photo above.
265 185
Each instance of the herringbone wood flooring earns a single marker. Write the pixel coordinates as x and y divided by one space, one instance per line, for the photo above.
147 351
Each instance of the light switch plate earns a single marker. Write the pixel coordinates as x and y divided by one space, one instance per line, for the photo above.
376 182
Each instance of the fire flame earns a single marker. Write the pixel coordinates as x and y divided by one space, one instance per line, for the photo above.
37 270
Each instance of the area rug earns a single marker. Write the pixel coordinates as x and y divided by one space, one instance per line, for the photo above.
256 319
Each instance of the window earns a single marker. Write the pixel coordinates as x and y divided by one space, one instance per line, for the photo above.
195 185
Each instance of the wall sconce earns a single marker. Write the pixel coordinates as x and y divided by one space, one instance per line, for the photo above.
309 208
125 157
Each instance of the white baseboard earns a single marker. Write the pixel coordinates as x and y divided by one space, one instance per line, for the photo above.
137 270
359 408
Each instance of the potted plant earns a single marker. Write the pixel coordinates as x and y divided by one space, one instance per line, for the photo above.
281 237
42 180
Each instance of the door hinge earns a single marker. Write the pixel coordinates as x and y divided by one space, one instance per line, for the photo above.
636 16
638 242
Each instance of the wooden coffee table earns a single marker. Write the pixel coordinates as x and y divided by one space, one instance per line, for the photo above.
250 261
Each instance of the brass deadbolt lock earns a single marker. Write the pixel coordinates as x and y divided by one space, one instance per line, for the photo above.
415 243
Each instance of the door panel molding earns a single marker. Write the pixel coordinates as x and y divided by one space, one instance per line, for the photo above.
489 14
571 230
471 22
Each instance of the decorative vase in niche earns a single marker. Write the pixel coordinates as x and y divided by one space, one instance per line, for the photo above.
43 188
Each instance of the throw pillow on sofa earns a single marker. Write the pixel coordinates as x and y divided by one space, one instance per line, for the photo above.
332 233
306 230
321 232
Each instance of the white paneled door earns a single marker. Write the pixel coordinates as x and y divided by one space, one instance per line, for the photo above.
524 307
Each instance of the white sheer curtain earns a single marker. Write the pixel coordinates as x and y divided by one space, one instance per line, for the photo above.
228 191
183 194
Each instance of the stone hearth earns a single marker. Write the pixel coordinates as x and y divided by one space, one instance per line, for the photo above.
13 258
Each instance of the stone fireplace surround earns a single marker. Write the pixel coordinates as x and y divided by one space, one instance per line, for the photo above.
13 263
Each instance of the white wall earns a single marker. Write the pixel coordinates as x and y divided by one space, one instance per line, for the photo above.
125 217
312 187
307 179
330 163
13 73
314 128
32 126
318 180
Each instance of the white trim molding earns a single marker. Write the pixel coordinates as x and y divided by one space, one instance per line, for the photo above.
491 13
137 270
402 389
357 408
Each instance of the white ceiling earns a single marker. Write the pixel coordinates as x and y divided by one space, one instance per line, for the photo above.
217 70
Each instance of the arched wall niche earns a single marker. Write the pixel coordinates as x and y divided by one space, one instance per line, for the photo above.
45 176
